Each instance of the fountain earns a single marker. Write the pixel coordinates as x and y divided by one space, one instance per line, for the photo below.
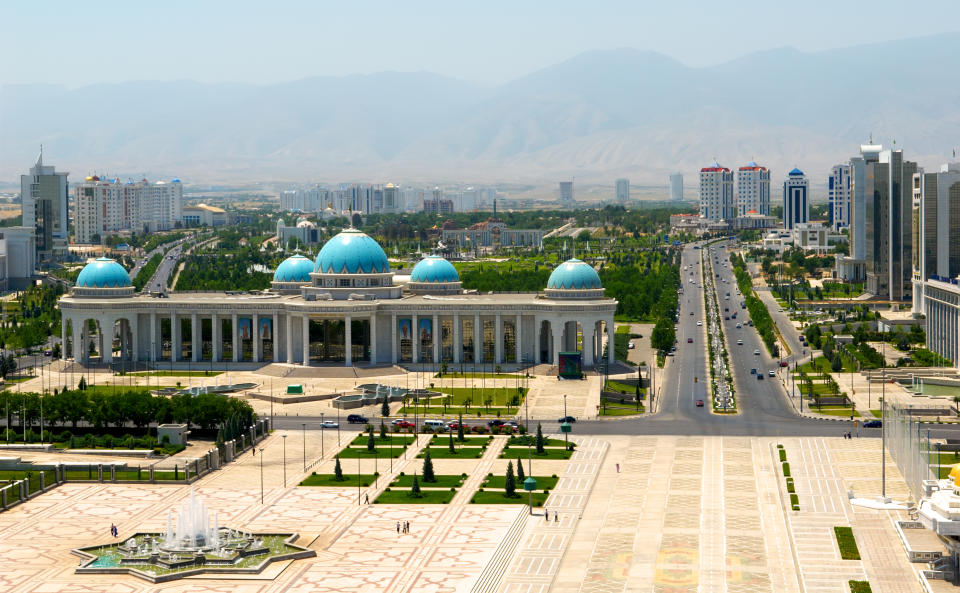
191 546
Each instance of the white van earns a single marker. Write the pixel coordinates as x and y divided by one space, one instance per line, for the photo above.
437 425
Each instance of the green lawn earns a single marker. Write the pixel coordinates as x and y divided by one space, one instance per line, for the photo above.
459 453
457 410
362 453
174 374
442 441
877 413
443 481
623 388
500 497
620 410
395 496
833 410
499 396
543 482
450 375
846 543
398 441
531 439
521 453
331 480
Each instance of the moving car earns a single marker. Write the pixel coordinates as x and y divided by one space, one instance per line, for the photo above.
739 342
689 340
495 422
699 403
330 424
357 419
772 373
739 325
753 371
873 424
568 419
784 363
401 423
759 376
699 323
756 352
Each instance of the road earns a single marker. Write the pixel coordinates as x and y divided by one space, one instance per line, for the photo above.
161 277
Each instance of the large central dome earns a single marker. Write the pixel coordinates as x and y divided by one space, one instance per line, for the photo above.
352 252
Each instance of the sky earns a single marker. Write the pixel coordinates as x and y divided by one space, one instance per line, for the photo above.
488 42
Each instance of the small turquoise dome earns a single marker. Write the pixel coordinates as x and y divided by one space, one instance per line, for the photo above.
796 171
434 268
103 272
352 252
294 269
574 274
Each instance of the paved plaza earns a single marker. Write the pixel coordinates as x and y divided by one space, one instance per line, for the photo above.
642 513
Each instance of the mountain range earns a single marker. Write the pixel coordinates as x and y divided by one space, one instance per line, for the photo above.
599 115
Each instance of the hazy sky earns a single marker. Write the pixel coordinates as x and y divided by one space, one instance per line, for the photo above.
487 41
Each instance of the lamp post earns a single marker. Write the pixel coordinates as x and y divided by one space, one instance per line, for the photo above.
261 475
303 430
565 425
284 461
322 422
529 484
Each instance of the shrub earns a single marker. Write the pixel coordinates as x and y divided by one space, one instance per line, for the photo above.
846 543
786 469
795 502
783 455
860 587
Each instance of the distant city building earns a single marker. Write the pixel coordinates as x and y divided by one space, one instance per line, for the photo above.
566 192
716 193
437 204
753 189
676 187
305 232
623 190
796 206
869 153
204 215
936 218
491 233
44 197
391 199
105 207
838 196
888 207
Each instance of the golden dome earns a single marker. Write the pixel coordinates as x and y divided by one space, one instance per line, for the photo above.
955 474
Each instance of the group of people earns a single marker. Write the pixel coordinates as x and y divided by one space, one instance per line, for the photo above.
113 530
546 516
849 435
403 527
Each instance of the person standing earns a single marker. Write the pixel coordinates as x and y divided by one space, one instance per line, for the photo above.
398 527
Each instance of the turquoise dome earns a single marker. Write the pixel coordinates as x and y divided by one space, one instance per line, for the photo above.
352 252
434 268
294 269
103 272
574 274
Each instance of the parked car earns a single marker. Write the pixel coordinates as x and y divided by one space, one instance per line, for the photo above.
357 419
495 422
630 346
401 423
568 419
784 363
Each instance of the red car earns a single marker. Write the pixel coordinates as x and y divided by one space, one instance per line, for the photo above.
689 340
402 424
699 403
784 363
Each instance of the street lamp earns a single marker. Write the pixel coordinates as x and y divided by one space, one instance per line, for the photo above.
261 475
284 461
529 484
304 431
565 425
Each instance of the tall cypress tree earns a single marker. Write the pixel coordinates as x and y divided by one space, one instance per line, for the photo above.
520 476
460 427
509 483
415 489
540 439
452 450
428 468
371 444
338 471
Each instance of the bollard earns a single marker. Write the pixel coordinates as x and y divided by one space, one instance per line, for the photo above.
100 473
113 473
152 480
24 488
43 482
3 497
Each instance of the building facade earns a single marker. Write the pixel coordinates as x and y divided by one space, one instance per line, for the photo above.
838 197
869 153
676 187
345 308
888 236
796 206
753 189
566 192
623 190
716 193
942 310
106 206
491 233
44 203
936 218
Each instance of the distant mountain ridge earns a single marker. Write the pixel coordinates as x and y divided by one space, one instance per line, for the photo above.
595 116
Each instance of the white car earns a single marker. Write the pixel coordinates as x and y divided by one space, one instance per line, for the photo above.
756 352
330 424
739 325
739 342
699 323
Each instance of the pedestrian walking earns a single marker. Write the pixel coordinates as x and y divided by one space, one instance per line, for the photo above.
398 527
546 515
408 526
618 468
366 498
555 519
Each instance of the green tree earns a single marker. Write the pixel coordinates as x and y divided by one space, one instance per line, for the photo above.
539 443
663 335
415 489
383 430
371 444
428 468
82 384
509 483
836 364
450 444
337 470
520 476
385 406
460 427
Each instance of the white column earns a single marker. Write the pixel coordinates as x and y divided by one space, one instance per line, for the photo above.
174 338
610 352
289 331
195 337
77 328
498 337
306 340
477 339
518 355
236 337
588 344
416 338
393 338
153 336
274 337
106 340
435 337
63 337
457 340
537 326
348 341
557 328
373 339
255 326
134 338
216 345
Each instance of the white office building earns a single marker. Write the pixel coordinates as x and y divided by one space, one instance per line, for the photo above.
107 206
838 196
623 190
796 205
869 153
716 193
44 197
676 187
753 190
